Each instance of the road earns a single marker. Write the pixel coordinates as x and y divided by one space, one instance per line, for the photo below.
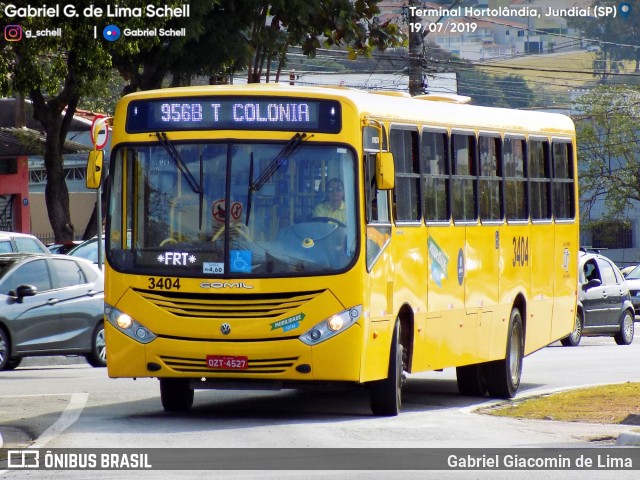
64 403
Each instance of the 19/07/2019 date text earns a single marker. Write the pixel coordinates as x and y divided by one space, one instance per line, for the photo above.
443 27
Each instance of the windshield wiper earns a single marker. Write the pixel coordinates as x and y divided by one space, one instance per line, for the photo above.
177 159
289 149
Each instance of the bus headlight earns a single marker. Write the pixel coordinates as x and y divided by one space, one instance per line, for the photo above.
128 325
331 326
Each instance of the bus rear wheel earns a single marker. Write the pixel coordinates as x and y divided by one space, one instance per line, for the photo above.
472 380
176 394
386 394
503 376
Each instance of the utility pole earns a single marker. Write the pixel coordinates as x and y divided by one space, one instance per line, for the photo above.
416 51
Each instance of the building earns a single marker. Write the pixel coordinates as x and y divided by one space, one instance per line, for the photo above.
23 175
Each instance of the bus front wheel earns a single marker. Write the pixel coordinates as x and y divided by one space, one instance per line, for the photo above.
176 395
503 376
386 394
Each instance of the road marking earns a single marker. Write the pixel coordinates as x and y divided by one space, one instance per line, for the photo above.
69 416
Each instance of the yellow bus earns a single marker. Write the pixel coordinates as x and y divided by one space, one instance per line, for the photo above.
275 236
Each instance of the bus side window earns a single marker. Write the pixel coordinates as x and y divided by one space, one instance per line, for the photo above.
515 179
490 178
406 194
434 161
464 186
563 187
377 205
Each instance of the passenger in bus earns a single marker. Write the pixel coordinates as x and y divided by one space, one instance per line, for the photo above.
333 206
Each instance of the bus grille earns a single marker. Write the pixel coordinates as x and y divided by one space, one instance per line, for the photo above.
199 365
227 306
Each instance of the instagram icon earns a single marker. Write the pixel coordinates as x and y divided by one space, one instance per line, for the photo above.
13 33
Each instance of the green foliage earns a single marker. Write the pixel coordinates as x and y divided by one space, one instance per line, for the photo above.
617 37
510 91
608 134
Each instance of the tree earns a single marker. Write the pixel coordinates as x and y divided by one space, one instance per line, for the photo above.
53 72
280 24
616 37
608 134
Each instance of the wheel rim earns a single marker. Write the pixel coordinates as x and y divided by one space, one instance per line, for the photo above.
577 330
515 354
4 348
627 327
101 349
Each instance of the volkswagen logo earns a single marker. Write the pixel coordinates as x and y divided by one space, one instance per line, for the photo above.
225 328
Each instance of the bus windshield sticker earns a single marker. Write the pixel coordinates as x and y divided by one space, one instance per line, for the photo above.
215 268
240 261
439 262
287 324
176 258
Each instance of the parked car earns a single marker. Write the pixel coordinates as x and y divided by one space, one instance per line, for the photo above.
64 247
21 242
88 250
604 304
50 305
633 281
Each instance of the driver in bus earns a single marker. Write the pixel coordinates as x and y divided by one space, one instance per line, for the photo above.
333 206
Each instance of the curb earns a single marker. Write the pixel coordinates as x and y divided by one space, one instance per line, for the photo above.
11 437
631 439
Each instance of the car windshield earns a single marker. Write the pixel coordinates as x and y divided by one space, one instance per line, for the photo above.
634 274
233 209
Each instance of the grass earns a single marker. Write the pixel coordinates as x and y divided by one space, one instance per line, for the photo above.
611 404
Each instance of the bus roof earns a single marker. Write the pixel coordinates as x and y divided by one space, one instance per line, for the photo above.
399 107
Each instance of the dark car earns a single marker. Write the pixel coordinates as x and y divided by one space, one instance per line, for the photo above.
21 242
50 305
64 247
633 281
604 305
88 250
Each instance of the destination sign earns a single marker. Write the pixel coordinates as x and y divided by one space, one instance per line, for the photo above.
233 113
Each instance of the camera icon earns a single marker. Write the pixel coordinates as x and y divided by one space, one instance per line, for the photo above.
13 33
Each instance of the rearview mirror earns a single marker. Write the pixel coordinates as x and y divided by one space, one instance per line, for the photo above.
385 171
94 168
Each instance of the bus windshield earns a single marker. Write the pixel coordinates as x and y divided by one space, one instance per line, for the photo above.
233 209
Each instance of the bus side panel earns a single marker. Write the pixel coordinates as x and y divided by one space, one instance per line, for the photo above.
515 275
378 318
448 331
565 275
481 269
540 305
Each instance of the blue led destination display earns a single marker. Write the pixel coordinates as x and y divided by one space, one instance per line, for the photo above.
233 113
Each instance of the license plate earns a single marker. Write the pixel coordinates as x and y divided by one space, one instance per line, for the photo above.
227 362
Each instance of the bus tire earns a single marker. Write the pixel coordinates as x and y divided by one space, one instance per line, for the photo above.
175 394
386 394
471 380
503 376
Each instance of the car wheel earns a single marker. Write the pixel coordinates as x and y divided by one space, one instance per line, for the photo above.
625 335
98 355
13 363
574 337
5 350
